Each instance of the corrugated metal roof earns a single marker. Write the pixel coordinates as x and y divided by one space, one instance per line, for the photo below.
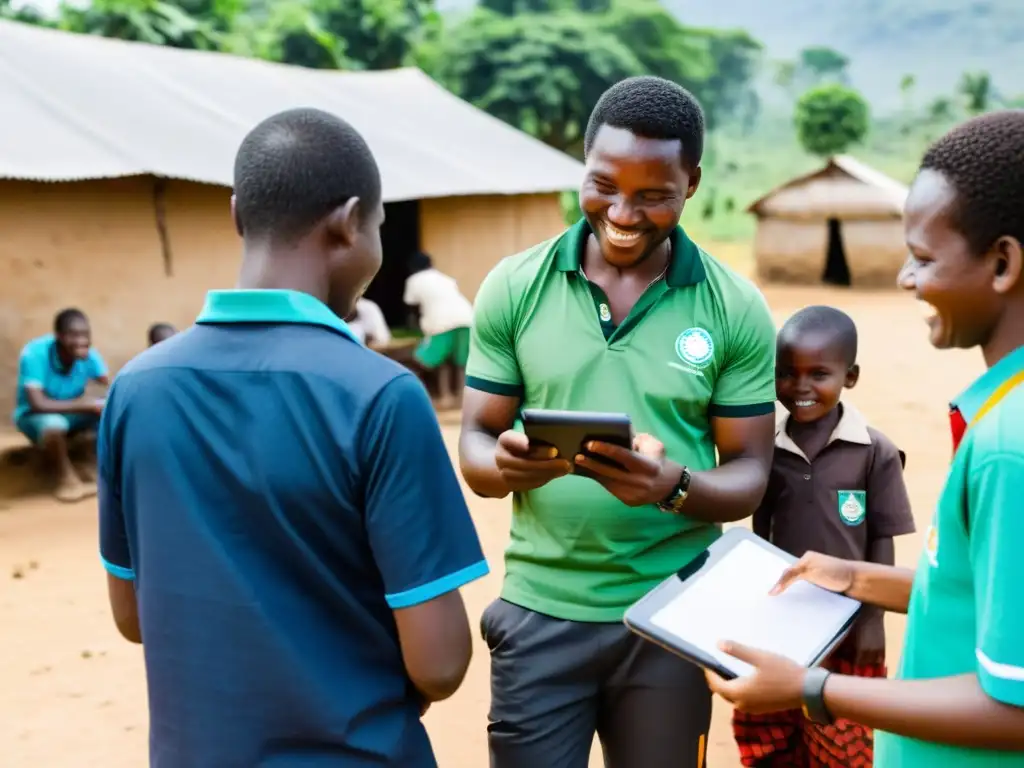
82 107
885 189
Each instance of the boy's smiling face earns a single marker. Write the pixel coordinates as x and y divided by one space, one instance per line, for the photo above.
811 373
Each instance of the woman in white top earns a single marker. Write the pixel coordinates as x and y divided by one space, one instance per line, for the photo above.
445 318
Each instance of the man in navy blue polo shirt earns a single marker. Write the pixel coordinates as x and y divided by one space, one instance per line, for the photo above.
279 518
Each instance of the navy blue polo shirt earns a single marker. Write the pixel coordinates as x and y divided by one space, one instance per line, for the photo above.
275 489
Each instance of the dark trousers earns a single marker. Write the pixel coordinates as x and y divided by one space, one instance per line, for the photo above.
556 683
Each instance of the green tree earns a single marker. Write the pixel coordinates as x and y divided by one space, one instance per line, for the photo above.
830 118
380 34
820 63
735 58
540 72
290 32
144 21
25 14
662 45
941 110
976 90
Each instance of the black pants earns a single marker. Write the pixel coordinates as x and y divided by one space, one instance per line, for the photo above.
556 683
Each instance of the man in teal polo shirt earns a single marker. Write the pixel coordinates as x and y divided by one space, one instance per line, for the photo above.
623 312
959 699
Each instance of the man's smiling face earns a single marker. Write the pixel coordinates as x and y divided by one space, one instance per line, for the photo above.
633 193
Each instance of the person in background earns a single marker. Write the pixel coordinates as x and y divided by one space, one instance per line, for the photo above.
160 332
367 323
54 372
958 700
444 317
280 520
836 487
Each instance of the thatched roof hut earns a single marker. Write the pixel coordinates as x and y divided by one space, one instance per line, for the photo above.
841 224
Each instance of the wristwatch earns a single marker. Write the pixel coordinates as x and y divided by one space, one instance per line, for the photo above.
674 502
813 706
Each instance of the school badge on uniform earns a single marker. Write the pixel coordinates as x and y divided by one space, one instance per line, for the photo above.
853 506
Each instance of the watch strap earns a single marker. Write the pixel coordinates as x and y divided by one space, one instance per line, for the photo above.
813 706
677 497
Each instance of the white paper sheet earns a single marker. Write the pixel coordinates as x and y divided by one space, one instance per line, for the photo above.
731 602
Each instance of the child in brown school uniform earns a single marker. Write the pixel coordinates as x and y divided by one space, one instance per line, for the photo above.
836 486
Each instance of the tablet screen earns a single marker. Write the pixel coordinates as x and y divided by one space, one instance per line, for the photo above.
731 602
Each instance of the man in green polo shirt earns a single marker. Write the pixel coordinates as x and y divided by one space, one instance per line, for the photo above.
959 697
623 312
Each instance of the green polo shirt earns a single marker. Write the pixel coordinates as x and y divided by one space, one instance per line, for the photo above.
699 343
965 612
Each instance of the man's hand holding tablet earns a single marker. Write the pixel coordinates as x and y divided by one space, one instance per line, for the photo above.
645 476
523 467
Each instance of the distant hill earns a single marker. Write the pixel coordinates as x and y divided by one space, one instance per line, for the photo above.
935 40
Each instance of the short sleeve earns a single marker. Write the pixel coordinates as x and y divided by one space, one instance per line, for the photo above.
888 509
996 529
492 366
114 550
32 368
97 365
423 539
746 385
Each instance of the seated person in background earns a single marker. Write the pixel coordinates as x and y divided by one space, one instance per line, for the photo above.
836 486
53 373
368 324
445 317
160 332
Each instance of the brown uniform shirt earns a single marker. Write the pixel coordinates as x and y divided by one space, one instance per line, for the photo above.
850 495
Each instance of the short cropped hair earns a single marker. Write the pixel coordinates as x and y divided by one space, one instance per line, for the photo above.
983 159
297 166
834 323
156 329
652 108
419 261
63 320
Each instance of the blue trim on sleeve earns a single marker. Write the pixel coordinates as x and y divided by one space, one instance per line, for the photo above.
118 571
438 587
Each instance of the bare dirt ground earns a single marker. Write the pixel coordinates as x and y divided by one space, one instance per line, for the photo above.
72 694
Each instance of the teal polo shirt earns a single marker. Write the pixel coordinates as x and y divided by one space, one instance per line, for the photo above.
966 613
276 491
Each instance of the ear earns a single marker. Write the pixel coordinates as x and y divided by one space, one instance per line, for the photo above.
234 216
1007 264
343 222
695 178
852 376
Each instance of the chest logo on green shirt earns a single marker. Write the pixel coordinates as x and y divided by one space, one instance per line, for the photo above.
695 347
853 506
605 313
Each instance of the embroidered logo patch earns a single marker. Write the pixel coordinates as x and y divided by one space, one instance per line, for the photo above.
605 313
695 347
853 506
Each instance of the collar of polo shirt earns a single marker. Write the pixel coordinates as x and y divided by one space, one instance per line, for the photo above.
271 306
685 268
852 428
971 400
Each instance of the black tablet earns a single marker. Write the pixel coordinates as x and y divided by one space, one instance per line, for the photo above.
567 431
723 595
